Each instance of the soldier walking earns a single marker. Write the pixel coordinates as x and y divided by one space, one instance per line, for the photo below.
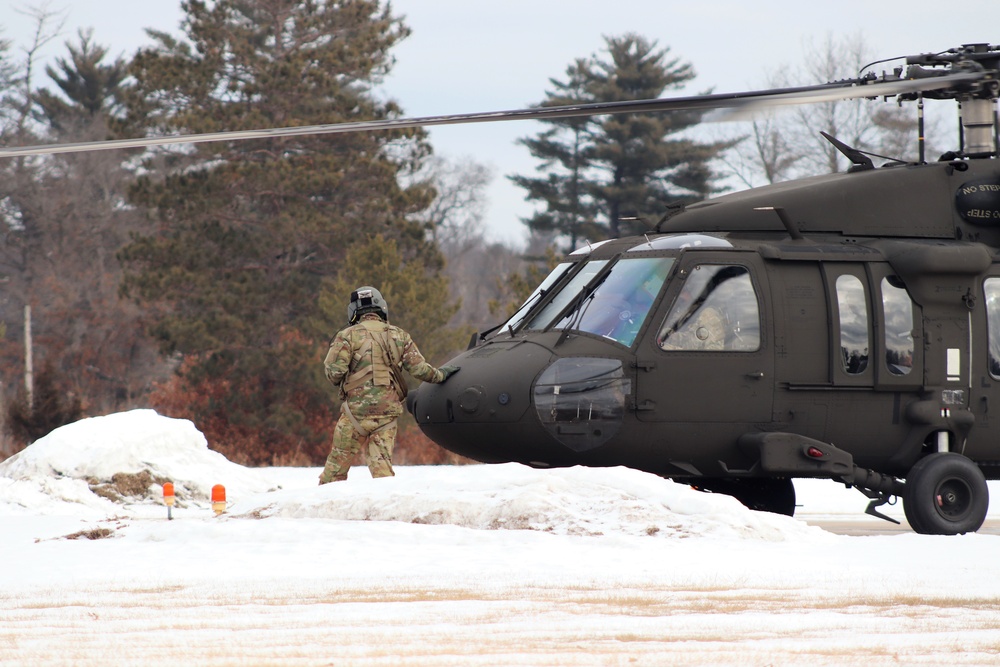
366 362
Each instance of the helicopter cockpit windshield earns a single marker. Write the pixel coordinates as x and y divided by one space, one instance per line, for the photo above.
611 301
517 318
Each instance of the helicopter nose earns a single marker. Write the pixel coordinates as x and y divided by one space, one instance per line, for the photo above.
482 411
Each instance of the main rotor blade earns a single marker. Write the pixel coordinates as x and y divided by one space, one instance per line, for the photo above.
752 99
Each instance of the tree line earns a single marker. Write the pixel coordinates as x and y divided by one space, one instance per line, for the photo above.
207 280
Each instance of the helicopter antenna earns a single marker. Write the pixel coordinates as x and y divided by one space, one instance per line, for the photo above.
860 161
857 156
793 231
673 209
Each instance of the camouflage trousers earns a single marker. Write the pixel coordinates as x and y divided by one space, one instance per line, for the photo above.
347 442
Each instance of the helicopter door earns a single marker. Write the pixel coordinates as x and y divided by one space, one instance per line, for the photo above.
985 389
710 358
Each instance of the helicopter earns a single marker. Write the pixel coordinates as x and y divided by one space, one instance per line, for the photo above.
844 327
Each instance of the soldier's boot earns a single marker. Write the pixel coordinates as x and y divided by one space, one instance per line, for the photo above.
326 479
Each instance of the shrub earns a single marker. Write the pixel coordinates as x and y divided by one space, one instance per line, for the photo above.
50 408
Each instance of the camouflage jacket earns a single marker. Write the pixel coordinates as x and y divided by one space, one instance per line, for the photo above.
705 331
365 361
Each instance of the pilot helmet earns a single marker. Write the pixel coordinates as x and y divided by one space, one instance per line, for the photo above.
366 300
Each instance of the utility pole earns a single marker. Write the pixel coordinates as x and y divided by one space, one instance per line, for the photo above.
29 373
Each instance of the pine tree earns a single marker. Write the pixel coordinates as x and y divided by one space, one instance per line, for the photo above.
625 168
8 80
248 230
569 144
645 166
88 83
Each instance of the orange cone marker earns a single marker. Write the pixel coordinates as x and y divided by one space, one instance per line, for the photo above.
218 499
168 498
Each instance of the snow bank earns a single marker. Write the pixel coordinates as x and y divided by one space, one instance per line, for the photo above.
70 469
68 464
573 501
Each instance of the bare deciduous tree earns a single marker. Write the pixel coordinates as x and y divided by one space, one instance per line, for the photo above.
455 217
476 267
62 221
783 144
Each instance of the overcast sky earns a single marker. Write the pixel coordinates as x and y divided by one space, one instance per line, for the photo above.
469 55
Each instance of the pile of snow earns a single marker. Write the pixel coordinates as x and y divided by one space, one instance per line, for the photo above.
67 465
72 467
571 501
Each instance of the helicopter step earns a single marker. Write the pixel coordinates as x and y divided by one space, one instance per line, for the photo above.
800 456
945 493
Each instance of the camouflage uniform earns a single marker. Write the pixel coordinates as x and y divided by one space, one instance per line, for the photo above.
705 331
365 361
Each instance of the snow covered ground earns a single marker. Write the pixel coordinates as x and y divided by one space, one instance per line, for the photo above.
474 565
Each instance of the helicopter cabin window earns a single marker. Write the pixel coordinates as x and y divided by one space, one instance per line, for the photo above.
992 289
617 305
716 310
897 308
853 309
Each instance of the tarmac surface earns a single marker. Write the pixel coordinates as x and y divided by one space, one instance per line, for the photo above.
871 526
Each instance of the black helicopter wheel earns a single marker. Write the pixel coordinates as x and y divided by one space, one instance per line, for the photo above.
764 495
946 494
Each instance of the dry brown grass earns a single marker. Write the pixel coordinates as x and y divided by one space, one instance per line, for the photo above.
92 534
125 485
478 624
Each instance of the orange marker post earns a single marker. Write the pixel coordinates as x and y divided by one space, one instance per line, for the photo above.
218 499
168 499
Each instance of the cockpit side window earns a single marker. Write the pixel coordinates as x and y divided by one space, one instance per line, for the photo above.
852 305
716 310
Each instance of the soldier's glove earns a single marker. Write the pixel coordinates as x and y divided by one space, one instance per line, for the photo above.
448 371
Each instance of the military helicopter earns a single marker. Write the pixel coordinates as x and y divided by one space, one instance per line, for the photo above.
843 326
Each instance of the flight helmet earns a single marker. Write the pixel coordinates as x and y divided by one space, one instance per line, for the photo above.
366 300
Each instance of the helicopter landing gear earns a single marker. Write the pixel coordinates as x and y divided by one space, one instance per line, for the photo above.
764 495
945 494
